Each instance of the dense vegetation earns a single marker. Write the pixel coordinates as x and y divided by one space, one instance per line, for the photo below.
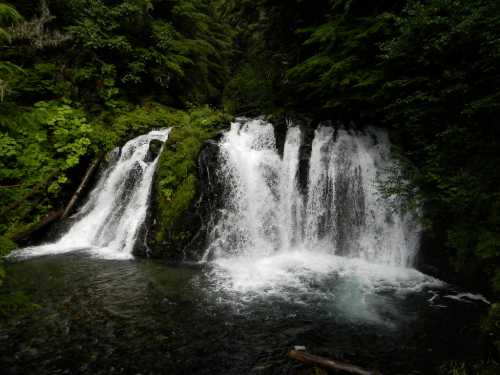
79 77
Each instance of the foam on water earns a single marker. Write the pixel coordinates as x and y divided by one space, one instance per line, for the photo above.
300 270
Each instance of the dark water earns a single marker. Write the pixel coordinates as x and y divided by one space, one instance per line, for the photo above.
149 317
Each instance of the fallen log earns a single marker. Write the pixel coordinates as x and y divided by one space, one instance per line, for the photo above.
42 224
83 184
328 364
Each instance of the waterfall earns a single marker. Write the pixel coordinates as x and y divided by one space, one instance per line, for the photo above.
109 222
342 213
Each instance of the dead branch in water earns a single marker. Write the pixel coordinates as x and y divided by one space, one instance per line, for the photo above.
329 364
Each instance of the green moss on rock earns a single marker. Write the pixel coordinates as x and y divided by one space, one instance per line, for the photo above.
176 182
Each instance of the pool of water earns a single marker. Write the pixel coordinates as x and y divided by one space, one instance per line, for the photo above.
100 316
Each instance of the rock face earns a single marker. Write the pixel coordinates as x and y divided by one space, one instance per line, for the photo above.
187 238
153 150
209 200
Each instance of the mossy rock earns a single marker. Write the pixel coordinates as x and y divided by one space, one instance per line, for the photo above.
174 220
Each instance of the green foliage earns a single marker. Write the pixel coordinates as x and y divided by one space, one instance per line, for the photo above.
8 16
40 146
344 73
264 34
130 121
104 51
6 246
439 71
250 89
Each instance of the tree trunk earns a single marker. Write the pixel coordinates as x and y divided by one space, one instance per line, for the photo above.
81 187
46 221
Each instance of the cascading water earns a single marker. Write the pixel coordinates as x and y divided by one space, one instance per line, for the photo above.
109 222
342 212
345 211
270 232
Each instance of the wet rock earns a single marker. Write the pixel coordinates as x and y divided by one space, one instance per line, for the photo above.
153 150
134 177
189 234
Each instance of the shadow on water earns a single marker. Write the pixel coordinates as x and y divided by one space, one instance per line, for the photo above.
149 317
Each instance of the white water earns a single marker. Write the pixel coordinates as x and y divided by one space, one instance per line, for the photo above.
109 222
271 236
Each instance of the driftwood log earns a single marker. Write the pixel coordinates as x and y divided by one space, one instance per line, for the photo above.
329 364
83 184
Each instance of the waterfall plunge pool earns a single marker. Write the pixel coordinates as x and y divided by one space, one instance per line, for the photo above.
270 278
232 316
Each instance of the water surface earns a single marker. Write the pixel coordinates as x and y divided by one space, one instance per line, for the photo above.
149 317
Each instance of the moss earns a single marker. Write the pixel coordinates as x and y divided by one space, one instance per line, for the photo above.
176 182
6 245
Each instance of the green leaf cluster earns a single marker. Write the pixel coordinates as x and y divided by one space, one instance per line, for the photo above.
40 146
